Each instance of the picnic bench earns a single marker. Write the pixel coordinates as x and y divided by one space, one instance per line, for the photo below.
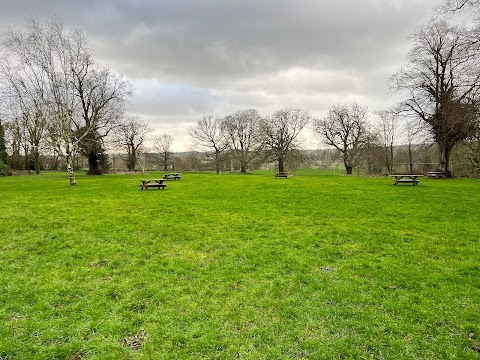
281 174
155 183
172 176
436 175
406 179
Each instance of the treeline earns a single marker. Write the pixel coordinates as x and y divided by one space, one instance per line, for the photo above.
371 143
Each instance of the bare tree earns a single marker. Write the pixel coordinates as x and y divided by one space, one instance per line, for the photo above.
162 144
242 132
26 109
441 82
52 74
280 133
207 137
131 135
102 94
344 128
387 134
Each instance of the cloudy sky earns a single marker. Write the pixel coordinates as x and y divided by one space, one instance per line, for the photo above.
190 58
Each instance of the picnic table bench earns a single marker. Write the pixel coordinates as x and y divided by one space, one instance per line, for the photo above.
406 179
158 183
172 176
436 175
282 174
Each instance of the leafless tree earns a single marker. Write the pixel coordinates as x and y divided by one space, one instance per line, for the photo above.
51 72
242 133
344 128
387 133
162 144
280 133
207 137
131 135
441 83
102 94
26 109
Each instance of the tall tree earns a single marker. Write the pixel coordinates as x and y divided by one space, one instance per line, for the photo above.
26 108
207 136
280 133
162 144
441 82
344 128
102 94
242 133
74 97
131 135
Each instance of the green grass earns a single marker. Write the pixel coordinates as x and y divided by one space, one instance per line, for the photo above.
239 267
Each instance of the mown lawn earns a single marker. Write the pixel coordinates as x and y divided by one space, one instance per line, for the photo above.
239 267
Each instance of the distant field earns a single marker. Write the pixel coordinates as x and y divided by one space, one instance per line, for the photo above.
235 266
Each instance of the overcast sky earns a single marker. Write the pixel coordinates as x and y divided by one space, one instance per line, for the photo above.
190 58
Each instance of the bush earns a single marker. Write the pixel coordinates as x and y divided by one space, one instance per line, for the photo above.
4 169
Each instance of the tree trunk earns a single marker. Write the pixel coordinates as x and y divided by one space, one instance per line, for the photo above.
243 167
165 162
69 161
132 161
217 162
444 162
346 161
27 163
93 164
36 160
281 167
410 158
390 164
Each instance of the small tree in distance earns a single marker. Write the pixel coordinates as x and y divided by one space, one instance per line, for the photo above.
130 136
387 129
241 131
344 128
280 133
207 136
162 144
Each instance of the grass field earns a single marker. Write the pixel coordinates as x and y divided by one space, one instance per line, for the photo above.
239 267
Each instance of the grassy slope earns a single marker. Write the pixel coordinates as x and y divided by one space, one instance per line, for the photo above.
235 266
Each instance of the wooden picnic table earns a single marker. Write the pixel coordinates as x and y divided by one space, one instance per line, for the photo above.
436 175
148 183
406 179
171 176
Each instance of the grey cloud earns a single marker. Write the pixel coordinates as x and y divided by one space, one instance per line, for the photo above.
187 58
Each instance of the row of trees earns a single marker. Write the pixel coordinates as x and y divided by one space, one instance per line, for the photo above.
250 138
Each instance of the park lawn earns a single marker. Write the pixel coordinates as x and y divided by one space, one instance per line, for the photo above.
239 267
